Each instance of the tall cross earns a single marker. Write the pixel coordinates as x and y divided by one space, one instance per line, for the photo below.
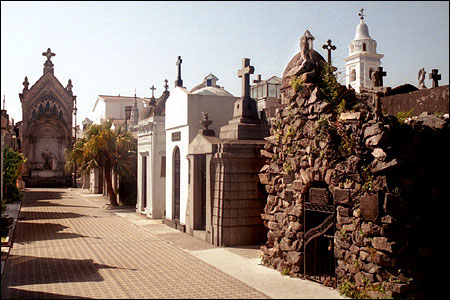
435 77
244 73
382 74
179 82
329 47
153 89
361 14
165 85
49 54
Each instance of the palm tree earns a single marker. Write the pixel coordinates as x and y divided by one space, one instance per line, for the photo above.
107 149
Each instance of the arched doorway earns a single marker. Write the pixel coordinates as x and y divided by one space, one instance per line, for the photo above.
176 184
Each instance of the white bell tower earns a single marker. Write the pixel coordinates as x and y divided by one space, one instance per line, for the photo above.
362 59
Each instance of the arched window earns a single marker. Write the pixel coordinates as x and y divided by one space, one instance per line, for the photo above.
353 75
364 47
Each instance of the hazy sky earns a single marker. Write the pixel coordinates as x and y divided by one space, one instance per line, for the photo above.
113 48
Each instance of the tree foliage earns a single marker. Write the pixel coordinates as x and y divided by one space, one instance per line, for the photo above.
12 162
105 149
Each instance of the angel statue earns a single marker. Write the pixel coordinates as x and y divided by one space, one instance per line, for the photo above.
421 78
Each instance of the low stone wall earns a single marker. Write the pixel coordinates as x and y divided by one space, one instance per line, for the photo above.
432 100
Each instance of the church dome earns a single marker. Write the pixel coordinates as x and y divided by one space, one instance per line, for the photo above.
362 32
212 90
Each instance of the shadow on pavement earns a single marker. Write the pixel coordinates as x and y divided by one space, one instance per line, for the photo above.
31 232
14 293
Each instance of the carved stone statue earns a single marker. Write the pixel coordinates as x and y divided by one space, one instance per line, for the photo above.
50 160
421 78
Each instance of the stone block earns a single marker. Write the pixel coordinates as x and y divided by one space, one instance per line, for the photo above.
273 226
264 178
370 229
295 226
341 196
378 166
268 217
294 211
343 211
382 243
376 139
373 130
294 257
371 268
350 116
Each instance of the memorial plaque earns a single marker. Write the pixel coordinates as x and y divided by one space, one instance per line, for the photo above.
369 207
176 136
318 196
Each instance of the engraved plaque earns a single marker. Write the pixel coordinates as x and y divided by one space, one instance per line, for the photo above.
369 207
318 196
176 136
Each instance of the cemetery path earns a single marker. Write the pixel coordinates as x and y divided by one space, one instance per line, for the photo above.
66 246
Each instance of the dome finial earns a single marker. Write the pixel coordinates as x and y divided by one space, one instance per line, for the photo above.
361 14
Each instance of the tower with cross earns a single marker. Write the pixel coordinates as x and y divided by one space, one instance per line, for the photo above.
362 60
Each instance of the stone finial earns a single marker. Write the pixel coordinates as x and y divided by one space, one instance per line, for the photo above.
306 43
244 73
206 122
435 77
329 47
25 85
166 86
421 78
69 87
179 81
48 65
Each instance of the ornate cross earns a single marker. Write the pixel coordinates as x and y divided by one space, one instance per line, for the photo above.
361 14
435 77
329 47
49 54
165 85
179 82
153 89
382 74
244 73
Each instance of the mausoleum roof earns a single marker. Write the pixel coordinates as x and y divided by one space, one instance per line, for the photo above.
362 31
211 90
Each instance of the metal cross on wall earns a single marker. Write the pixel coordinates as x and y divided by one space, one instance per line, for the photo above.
329 47
245 74
153 90
49 54
435 77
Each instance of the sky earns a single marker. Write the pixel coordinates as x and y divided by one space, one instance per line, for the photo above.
111 48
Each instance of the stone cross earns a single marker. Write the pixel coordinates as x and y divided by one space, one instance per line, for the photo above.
153 90
244 73
179 82
165 85
435 77
381 74
49 54
329 47
361 14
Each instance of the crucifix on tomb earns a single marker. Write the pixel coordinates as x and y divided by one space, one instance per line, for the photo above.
435 77
153 90
329 47
244 73
179 82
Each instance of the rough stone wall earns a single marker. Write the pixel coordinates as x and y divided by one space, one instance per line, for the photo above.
388 181
433 100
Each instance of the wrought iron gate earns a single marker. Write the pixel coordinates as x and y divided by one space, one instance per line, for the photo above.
318 241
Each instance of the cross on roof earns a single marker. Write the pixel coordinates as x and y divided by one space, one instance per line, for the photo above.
329 47
244 73
382 74
179 82
153 89
165 85
49 54
435 77
361 14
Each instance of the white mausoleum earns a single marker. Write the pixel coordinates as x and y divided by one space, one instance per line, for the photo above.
362 59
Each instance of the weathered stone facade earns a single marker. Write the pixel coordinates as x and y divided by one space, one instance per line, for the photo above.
359 194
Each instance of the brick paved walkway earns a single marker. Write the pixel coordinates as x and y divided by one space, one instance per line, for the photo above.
68 247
